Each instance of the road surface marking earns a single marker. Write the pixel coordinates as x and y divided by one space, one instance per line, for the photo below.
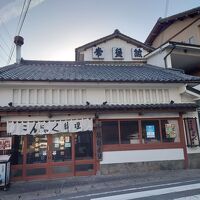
156 192
131 189
194 197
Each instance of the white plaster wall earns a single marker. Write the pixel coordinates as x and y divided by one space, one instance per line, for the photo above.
26 95
108 50
157 59
5 96
142 156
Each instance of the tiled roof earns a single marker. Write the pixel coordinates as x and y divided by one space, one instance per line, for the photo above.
164 23
92 72
133 107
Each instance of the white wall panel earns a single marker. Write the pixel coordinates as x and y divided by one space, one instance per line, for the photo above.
142 156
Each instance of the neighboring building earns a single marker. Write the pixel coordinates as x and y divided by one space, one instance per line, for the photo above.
86 117
177 42
183 28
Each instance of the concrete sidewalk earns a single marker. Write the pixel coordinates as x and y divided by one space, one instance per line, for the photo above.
73 185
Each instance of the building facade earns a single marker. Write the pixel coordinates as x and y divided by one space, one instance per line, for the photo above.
103 115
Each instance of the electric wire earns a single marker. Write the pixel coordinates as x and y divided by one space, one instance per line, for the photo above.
5 28
13 45
22 11
4 50
5 44
19 27
165 15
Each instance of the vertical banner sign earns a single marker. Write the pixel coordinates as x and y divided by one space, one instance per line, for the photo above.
191 132
99 140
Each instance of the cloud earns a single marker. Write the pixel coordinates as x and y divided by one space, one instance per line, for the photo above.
13 9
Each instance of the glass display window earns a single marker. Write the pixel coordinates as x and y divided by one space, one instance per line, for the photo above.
129 132
110 133
61 147
36 149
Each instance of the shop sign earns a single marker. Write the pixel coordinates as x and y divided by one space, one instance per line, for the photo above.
5 143
98 52
136 53
170 130
48 127
118 53
150 130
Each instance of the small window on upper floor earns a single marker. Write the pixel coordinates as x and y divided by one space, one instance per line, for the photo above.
191 40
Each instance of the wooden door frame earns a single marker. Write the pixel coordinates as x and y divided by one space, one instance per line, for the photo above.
49 164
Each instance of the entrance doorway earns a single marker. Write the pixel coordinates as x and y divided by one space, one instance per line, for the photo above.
57 155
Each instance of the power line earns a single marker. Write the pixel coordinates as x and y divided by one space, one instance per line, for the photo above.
6 30
22 11
166 8
21 22
4 50
4 42
26 11
3 58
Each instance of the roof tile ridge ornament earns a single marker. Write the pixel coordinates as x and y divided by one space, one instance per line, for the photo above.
116 31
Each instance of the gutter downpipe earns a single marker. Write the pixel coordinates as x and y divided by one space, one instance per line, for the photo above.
165 58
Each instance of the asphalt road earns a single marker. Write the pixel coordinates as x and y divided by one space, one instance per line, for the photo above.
176 190
162 185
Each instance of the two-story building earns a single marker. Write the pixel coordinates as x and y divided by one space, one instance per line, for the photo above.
108 112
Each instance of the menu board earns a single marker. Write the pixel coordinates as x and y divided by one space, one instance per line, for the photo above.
5 143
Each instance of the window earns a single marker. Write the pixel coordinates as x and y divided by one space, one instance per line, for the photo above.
170 131
129 132
144 131
150 131
110 132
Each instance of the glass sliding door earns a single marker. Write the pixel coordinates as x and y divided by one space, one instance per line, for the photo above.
84 155
61 147
56 155
36 149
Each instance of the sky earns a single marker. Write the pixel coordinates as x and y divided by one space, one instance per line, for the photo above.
54 28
